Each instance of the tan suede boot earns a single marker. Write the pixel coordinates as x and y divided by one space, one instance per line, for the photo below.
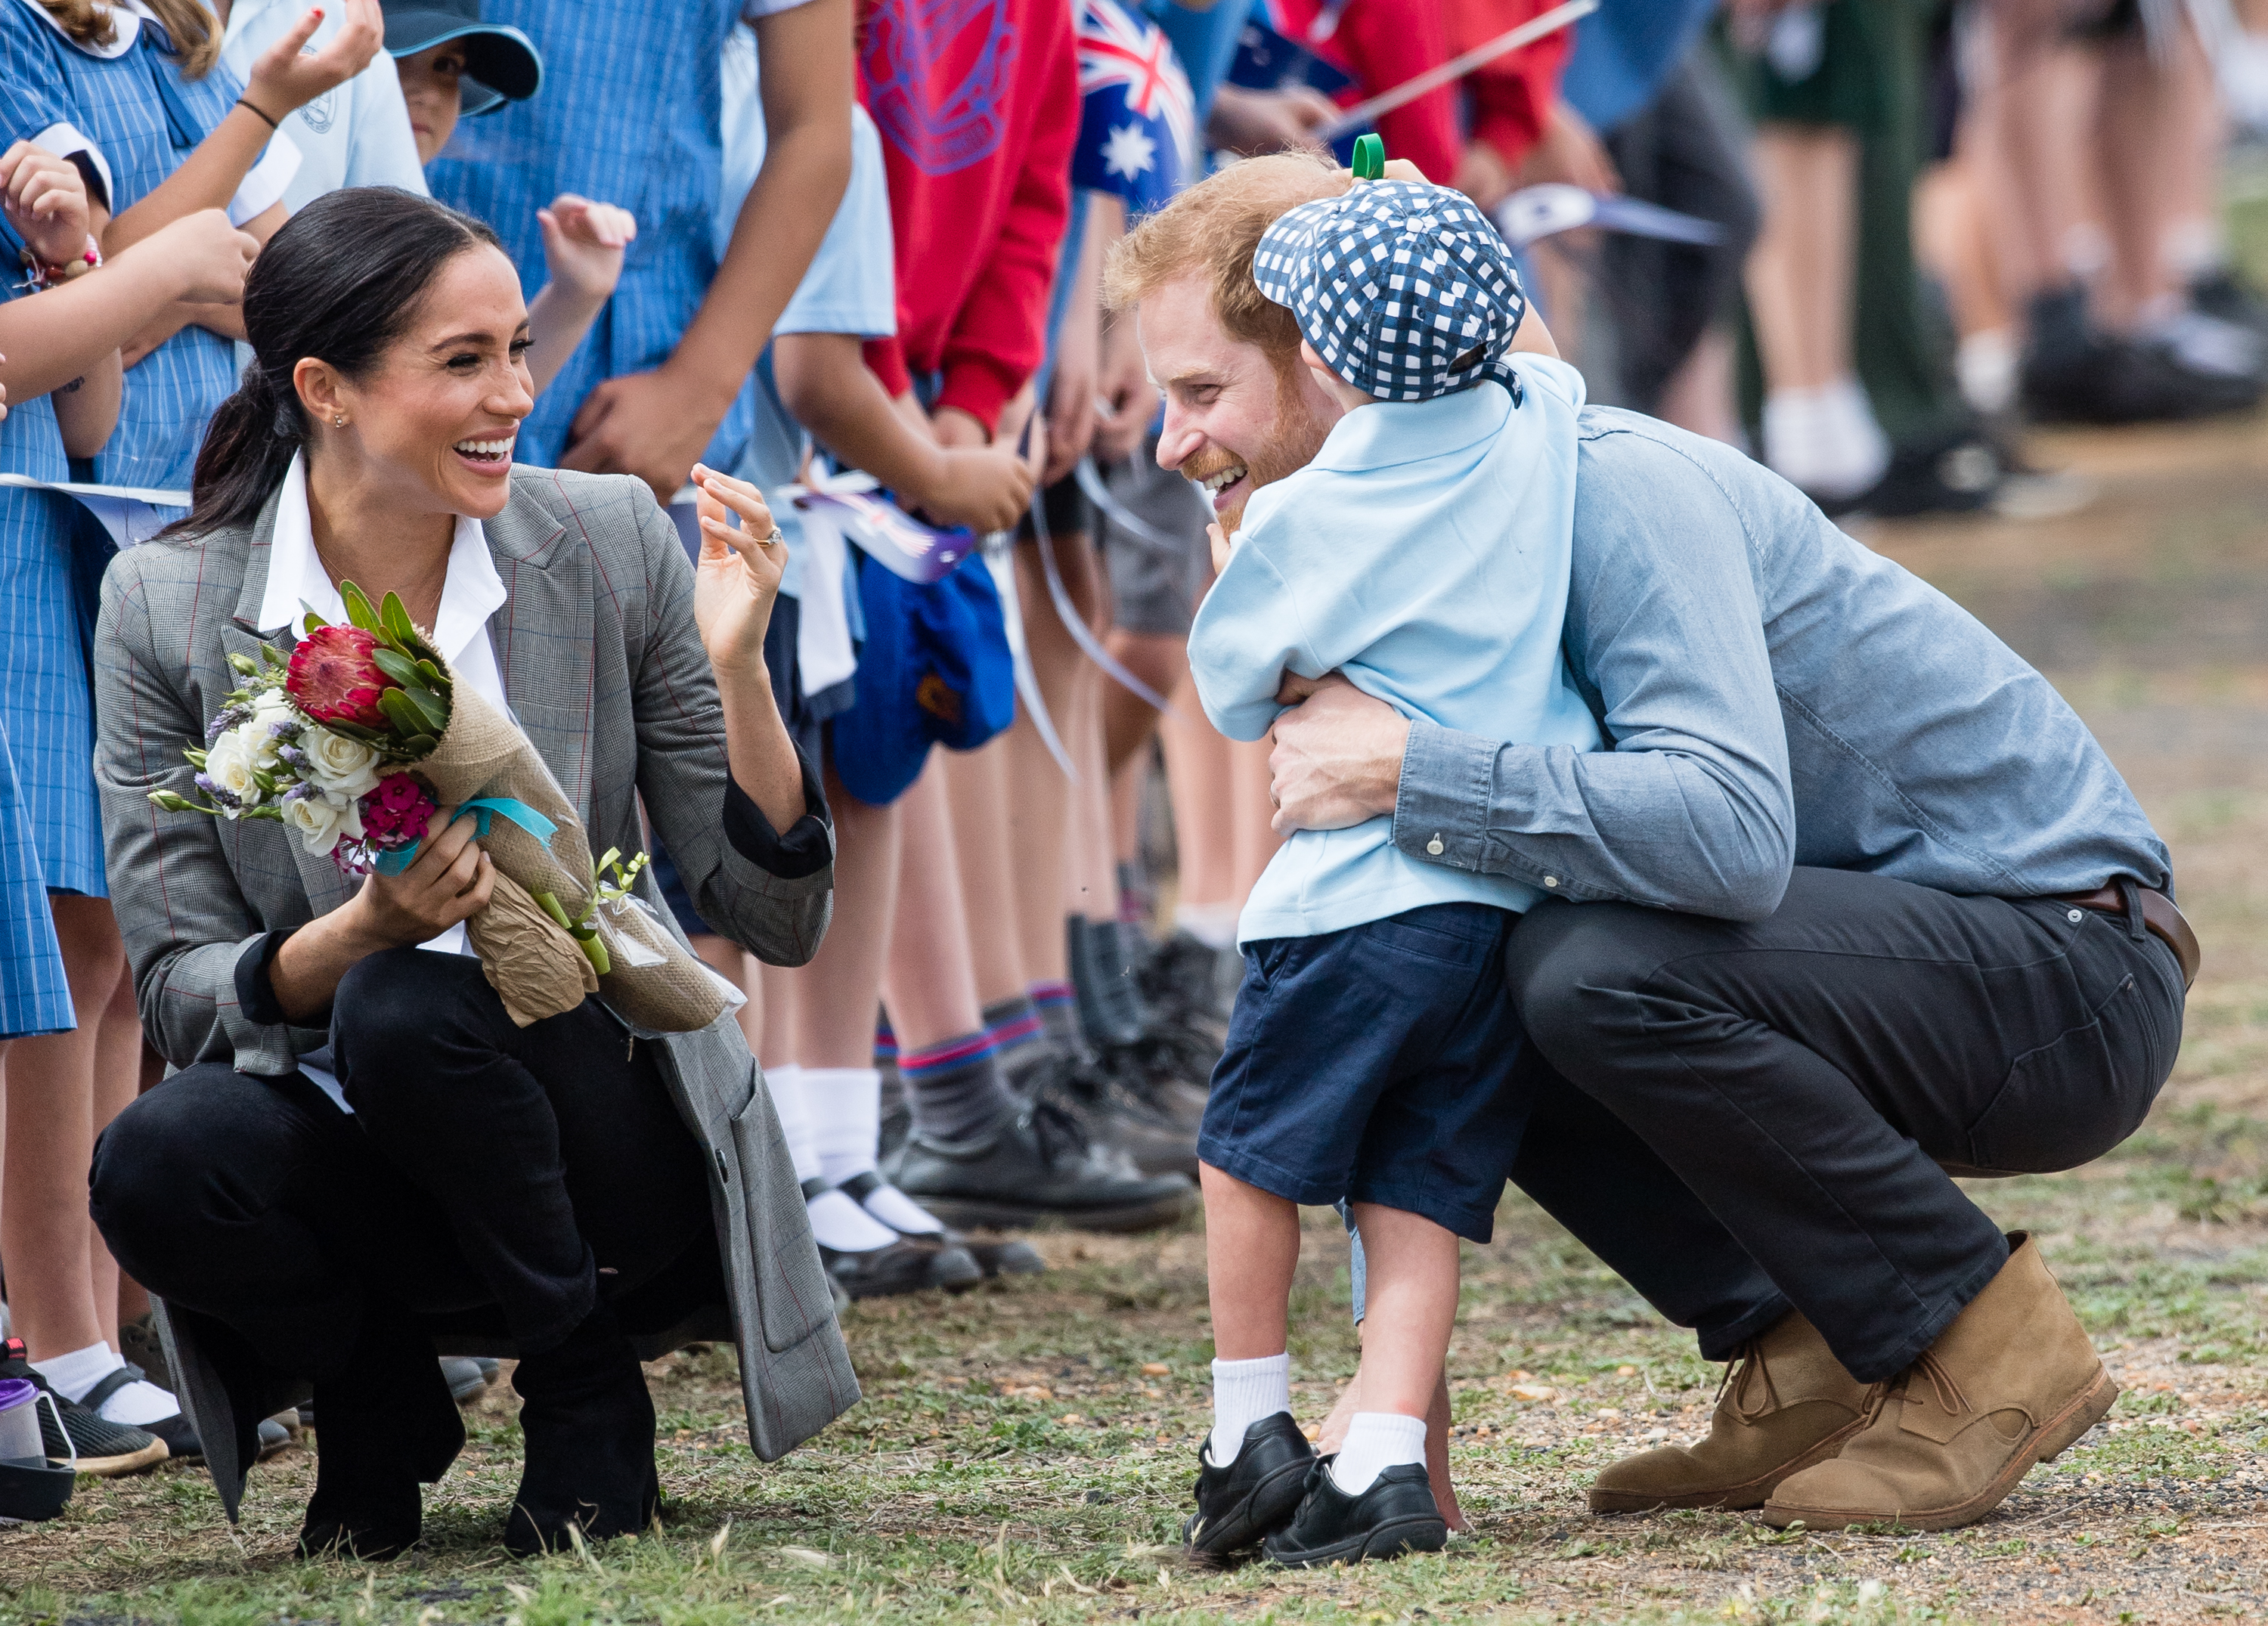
1787 1405
2013 1382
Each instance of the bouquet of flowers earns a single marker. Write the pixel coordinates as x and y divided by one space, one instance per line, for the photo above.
361 736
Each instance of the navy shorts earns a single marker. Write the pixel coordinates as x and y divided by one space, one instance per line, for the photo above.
1375 1065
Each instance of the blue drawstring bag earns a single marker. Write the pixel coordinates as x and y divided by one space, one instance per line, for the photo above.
935 669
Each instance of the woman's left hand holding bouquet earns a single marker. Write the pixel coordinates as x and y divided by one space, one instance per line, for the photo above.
449 881
734 586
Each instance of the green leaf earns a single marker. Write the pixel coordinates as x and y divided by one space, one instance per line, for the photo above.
171 803
358 609
436 709
550 904
419 745
405 718
398 668
397 619
308 617
432 677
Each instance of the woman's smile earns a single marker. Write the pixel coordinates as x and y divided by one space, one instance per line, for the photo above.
490 455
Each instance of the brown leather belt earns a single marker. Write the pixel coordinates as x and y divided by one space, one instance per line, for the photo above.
2159 915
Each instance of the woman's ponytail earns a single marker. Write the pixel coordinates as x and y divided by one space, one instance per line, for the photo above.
339 282
247 450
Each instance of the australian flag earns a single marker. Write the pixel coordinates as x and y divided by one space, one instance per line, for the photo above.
1138 133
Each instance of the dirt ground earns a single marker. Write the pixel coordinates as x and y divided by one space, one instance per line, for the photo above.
1024 1451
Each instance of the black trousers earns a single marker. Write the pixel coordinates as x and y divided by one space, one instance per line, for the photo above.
487 1177
1739 1118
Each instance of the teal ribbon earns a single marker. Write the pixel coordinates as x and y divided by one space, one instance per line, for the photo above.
482 808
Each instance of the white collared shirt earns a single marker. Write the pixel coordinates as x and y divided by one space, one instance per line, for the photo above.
471 593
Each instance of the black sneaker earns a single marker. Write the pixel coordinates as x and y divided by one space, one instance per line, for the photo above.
1040 1167
2074 374
68 1430
1006 1257
1126 1106
2224 294
908 1265
1396 1515
1256 1495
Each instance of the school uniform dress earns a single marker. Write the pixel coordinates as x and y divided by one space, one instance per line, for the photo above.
628 115
128 107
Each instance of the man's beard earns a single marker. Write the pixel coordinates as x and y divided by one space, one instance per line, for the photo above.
1293 436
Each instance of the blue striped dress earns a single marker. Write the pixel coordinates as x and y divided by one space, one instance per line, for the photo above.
630 113
145 119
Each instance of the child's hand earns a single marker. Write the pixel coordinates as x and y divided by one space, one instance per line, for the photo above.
1220 547
287 78
583 244
986 487
737 580
211 257
44 198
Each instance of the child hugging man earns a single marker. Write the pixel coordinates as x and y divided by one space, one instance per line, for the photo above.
1423 552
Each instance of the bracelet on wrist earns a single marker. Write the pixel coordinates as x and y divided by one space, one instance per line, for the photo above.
41 274
248 105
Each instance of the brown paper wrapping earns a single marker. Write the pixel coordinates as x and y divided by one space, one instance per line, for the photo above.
536 967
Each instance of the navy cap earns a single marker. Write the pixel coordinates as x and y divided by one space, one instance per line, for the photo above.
501 63
1405 291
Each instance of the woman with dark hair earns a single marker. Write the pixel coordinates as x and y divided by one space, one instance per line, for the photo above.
361 1160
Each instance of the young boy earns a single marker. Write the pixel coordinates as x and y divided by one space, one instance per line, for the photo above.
1424 554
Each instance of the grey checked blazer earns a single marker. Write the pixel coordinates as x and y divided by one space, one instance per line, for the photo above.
604 671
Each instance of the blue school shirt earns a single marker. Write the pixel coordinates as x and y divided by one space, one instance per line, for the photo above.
1424 554
630 114
144 119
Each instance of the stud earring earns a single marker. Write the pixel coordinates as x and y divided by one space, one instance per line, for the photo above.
339 422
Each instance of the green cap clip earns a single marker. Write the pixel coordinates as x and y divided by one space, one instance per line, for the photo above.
1369 158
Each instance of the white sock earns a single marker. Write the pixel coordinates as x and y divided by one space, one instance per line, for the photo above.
1853 450
1244 1392
838 1223
1212 925
844 1105
133 1404
1985 365
1376 1441
895 1209
786 1086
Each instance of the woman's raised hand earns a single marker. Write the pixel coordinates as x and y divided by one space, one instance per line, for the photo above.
208 255
450 880
283 81
739 575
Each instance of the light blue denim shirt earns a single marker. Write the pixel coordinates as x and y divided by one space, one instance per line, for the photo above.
1775 694
1425 553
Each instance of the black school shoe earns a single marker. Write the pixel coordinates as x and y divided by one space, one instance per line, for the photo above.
1038 1166
1255 1494
1007 1257
1396 1515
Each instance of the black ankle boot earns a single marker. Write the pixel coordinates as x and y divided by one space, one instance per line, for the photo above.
389 1424
1101 982
588 1422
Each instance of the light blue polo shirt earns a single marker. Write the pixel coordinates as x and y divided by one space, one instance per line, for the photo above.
1425 553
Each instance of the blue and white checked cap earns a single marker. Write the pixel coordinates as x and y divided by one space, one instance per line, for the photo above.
1405 291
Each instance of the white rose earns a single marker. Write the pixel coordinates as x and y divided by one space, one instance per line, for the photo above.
320 821
342 766
229 764
270 712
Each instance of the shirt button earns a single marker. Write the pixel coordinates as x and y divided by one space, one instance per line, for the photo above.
2075 916
1550 881
1435 847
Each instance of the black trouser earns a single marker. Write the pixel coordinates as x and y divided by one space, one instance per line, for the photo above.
1742 1117
1686 150
487 1175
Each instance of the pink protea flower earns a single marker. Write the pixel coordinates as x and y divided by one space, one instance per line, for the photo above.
334 679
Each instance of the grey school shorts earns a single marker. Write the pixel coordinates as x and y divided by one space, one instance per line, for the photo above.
1154 587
